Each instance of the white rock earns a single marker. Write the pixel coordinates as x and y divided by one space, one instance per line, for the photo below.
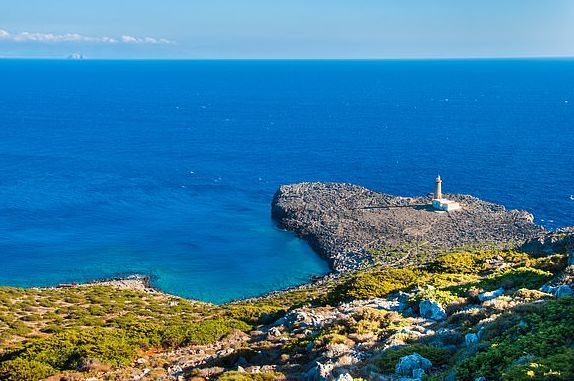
430 309
407 364
485 296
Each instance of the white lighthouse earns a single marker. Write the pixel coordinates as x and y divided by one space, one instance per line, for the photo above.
440 203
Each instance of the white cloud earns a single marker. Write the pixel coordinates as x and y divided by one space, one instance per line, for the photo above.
76 37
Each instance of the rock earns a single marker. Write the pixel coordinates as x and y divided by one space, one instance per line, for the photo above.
563 290
548 289
486 296
343 222
430 309
571 258
557 291
407 364
558 241
344 377
470 339
480 379
320 372
275 332
418 373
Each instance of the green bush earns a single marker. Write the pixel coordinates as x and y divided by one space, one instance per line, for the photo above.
366 285
390 358
473 262
24 370
515 278
559 367
542 333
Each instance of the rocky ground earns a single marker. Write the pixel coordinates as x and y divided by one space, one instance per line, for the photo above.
352 226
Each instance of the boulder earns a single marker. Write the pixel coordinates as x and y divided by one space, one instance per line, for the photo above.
320 372
407 365
430 309
486 296
470 339
563 290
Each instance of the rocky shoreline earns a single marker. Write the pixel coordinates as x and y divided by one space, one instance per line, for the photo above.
351 226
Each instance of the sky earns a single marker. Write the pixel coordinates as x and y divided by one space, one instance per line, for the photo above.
291 29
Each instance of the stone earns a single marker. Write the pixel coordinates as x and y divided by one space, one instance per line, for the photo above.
418 373
407 364
274 331
470 339
480 379
430 309
571 258
563 290
486 296
320 372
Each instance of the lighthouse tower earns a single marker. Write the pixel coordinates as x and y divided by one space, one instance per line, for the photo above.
441 204
438 188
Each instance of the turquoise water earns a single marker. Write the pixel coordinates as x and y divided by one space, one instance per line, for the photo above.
110 168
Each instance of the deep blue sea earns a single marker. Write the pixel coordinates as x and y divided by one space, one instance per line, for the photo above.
167 168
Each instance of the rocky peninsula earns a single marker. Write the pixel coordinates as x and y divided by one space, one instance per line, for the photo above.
351 226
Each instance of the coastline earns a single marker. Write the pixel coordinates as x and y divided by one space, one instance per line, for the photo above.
308 219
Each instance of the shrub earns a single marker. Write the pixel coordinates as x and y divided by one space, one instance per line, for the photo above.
558 367
541 333
389 358
442 297
366 285
24 370
515 278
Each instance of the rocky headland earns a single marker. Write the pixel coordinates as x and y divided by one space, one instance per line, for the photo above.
351 226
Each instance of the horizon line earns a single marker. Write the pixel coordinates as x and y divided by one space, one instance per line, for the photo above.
453 58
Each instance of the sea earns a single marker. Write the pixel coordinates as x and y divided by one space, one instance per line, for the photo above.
168 168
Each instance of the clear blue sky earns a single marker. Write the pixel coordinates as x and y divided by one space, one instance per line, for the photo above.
286 28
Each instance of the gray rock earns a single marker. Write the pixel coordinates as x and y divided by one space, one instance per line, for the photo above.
563 290
320 372
407 364
571 258
557 291
480 379
274 331
470 339
430 309
418 373
548 289
485 296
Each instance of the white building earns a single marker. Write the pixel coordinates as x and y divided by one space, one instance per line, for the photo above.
443 204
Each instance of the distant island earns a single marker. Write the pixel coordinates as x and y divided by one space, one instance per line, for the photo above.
417 293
